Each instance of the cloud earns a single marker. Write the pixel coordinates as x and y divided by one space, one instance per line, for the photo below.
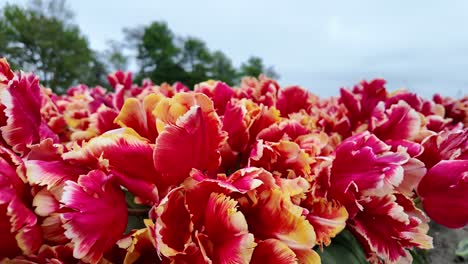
322 45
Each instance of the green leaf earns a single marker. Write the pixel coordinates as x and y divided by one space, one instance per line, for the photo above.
344 249
419 256
462 249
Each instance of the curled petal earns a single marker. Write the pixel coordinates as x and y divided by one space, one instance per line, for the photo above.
122 151
45 203
445 146
195 139
414 170
17 221
363 165
227 232
219 92
444 193
103 120
384 217
141 249
292 99
285 130
6 74
327 218
173 227
273 251
236 122
22 101
51 173
168 110
138 115
96 215
285 158
400 122
275 216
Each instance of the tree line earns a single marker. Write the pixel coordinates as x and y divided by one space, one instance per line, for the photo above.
42 37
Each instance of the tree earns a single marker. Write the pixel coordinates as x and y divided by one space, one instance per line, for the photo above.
254 67
157 53
196 60
39 39
222 68
165 57
115 58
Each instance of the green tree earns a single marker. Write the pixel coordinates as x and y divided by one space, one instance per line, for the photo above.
115 57
196 60
222 68
157 53
165 57
42 39
254 67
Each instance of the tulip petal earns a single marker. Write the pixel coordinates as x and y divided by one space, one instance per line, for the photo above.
275 216
22 101
226 228
195 140
383 218
292 99
173 226
401 122
272 251
443 191
327 218
122 151
138 115
97 215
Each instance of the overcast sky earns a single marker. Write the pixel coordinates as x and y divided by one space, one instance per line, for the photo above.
320 45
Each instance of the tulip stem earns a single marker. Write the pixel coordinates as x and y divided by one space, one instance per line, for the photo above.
137 212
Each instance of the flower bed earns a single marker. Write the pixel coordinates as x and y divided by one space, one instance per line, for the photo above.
251 174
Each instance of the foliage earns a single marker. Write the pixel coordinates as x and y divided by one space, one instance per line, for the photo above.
344 247
39 39
462 249
254 67
164 57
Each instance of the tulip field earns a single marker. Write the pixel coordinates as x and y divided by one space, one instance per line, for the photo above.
257 173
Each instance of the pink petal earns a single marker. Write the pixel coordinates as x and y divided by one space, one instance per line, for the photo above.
138 115
17 221
22 100
401 122
195 140
382 218
327 218
121 150
444 193
97 215
219 92
226 229
235 123
275 216
273 251
292 99
363 165
173 227
6 74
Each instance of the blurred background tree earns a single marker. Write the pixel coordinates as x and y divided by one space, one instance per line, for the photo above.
115 58
254 67
43 38
163 56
